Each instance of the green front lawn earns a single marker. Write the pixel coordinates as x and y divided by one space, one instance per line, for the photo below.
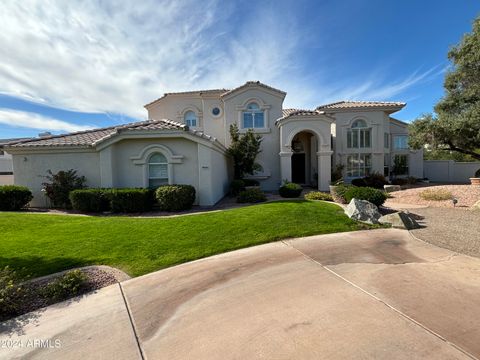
44 244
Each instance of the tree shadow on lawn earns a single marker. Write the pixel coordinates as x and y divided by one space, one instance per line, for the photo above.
27 268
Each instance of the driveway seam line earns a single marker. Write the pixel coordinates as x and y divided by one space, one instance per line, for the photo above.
384 303
142 355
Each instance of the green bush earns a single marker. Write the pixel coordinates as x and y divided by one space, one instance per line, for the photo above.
11 294
372 195
253 195
338 192
175 197
290 190
59 185
69 285
13 197
130 200
374 180
90 200
318 195
236 186
250 182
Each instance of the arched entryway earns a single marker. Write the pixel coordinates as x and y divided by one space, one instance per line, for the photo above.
304 159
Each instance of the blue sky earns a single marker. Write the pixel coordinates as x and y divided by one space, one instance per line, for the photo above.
68 66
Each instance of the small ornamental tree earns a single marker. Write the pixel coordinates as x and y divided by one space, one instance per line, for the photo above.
59 185
244 150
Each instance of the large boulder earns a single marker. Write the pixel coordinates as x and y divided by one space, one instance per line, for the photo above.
363 210
391 188
399 220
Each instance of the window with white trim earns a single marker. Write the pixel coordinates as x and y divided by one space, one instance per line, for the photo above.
359 135
400 164
400 142
359 165
190 119
253 117
157 170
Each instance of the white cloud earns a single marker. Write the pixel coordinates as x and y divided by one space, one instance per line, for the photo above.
35 121
116 56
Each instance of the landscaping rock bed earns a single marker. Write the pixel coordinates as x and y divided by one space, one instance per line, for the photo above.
466 195
97 277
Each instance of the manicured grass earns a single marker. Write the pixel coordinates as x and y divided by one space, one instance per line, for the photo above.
44 244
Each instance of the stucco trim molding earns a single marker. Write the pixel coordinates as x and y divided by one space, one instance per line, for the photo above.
142 158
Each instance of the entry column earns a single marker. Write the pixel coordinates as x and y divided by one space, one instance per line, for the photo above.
286 165
324 169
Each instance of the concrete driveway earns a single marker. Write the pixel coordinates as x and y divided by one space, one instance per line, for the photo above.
371 294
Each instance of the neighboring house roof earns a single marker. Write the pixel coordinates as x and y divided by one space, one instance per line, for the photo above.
95 136
399 121
194 92
8 141
250 84
361 105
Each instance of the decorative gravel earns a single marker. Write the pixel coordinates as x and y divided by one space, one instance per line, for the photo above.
97 278
466 195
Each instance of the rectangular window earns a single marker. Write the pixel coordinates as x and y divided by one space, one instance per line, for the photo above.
191 122
247 120
258 120
400 142
359 165
158 175
359 138
386 165
400 164
386 140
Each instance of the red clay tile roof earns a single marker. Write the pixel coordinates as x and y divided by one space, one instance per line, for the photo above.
193 92
253 83
91 137
361 105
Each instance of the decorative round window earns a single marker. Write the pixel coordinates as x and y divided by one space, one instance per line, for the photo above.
216 111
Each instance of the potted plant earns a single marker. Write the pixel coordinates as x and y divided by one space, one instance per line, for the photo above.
476 180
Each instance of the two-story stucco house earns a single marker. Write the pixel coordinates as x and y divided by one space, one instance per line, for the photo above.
187 134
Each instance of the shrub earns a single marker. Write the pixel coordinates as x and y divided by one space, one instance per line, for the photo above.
69 285
130 200
374 180
236 186
360 182
251 182
372 195
254 195
436 194
411 180
318 195
337 173
90 200
290 190
175 197
11 294
59 185
400 181
477 173
338 192
13 197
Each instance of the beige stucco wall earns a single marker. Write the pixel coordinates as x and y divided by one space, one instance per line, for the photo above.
271 102
30 169
450 171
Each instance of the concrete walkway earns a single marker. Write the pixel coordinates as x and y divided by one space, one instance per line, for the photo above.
370 294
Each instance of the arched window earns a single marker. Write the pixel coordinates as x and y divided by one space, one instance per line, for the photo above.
253 117
190 119
359 135
157 170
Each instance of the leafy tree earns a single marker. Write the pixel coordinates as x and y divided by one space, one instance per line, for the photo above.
456 127
59 185
244 150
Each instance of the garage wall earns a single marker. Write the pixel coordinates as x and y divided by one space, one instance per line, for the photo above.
450 171
30 169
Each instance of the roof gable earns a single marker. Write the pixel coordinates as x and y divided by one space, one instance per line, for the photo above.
253 84
352 105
